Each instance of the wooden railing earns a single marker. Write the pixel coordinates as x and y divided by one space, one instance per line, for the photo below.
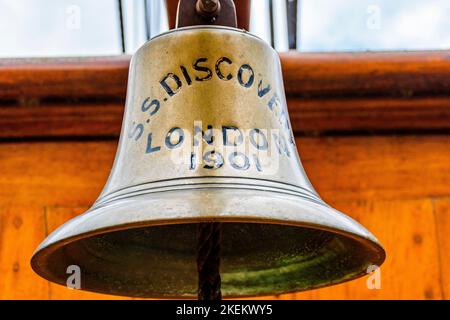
327 92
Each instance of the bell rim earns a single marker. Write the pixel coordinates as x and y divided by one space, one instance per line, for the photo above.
34 264
46 248
163 296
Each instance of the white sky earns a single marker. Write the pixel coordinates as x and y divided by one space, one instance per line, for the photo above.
375 24
59 27
83 27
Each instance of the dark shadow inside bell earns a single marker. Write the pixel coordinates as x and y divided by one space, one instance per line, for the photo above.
257 259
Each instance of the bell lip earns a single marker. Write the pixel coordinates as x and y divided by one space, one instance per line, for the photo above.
46 248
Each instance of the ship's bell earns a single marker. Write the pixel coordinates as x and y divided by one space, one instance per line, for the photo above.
206 137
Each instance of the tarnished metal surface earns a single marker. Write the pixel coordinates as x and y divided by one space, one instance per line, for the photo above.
206 12
206 137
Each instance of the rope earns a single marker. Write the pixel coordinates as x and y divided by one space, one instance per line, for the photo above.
208 261
209 234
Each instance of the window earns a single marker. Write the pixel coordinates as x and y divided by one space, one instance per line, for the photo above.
59 28
49 28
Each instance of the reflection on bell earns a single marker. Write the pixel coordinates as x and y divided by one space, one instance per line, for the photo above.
206 137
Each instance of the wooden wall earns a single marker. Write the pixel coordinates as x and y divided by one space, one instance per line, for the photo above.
372 131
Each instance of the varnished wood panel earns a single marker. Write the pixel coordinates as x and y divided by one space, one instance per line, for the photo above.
64 77
405 74
62 120
21 229
89 119
391 167
327 92
442 211
385 114
58 173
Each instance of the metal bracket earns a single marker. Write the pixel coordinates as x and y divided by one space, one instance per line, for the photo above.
188 14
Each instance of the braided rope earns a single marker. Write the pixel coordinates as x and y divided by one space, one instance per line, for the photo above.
208 261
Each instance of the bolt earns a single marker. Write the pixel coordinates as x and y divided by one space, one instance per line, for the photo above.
208 8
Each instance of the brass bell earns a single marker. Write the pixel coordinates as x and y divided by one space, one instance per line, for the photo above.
206 137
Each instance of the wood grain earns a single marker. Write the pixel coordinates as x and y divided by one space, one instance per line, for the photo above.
64 77
243 13
172 6
351 92
404 167
340 74
62 120
373 115
388 167
442 212
404 74
54 174
308 116
21 230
